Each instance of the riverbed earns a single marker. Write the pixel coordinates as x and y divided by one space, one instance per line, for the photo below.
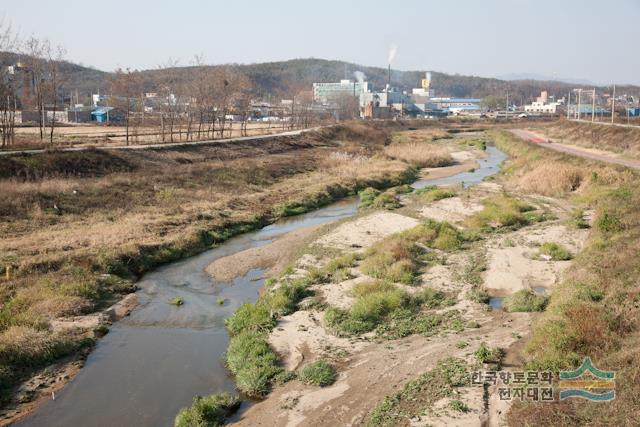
153 362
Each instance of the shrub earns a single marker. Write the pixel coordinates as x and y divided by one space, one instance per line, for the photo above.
208 411
555 251
318 373
525 300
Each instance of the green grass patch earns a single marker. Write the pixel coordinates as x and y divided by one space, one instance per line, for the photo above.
500 211
372 198
525 300
208 411
318 373
555 251
434 193
420 394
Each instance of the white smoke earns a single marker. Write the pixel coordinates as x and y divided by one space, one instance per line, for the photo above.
359 75
392 53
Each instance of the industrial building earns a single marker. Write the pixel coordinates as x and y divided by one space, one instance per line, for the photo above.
325 93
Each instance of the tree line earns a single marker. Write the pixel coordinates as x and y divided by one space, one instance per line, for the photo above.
205 103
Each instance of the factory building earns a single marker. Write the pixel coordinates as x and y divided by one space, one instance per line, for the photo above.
325 93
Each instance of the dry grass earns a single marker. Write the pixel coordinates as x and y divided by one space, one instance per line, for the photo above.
593 311
552 179
65 221
612 138
420 154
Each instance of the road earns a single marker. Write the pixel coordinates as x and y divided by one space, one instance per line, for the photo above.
575 151
163 145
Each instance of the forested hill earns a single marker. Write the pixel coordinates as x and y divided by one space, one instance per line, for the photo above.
285 78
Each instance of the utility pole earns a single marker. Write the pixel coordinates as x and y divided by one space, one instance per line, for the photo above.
613 103
593 106
579 96
506 110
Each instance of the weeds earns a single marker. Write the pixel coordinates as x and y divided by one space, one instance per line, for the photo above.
525 300
318 373
555 251
434 193
372 198
177 301
500 211
208 411
421 393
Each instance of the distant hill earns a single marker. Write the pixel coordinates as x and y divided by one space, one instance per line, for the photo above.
285 78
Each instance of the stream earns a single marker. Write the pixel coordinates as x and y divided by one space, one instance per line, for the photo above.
153 362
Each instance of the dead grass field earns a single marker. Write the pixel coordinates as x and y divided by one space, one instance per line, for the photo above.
113 136
594 311
66 219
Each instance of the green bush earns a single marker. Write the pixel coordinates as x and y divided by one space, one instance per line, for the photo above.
525 300
252 361
250 317
318 373
208 411
555 251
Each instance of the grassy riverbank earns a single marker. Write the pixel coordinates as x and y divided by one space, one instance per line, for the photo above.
594 312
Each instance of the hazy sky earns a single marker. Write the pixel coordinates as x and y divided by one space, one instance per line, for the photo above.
588 39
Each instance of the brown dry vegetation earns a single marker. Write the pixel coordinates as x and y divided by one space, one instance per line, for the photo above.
612 138
68 218
594 311
412 147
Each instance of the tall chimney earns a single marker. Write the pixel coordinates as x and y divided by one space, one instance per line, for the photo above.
389 75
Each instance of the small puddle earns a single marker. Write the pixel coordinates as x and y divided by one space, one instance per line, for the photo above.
155 361
496 303
539 290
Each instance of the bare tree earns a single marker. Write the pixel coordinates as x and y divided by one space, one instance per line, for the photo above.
8 95
126 87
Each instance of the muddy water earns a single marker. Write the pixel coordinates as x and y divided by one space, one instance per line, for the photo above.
152 363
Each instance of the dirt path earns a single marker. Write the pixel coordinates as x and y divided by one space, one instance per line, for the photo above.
603 156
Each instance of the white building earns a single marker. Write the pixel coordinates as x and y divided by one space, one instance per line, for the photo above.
541 105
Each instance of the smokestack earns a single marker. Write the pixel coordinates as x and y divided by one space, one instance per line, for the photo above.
389 75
